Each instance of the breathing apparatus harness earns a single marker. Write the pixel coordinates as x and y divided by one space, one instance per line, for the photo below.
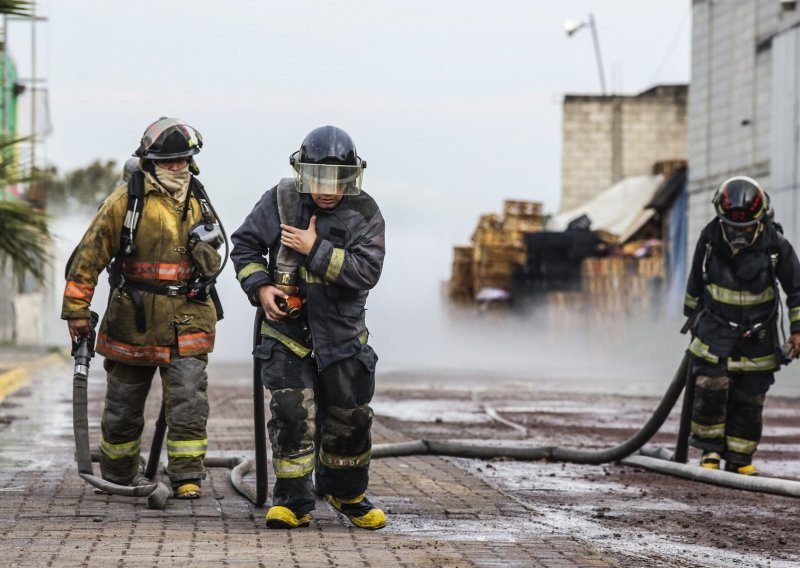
209 230
757 330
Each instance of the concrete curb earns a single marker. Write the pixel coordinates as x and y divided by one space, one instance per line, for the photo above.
16 378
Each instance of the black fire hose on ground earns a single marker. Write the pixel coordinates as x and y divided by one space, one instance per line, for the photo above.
83 351
258 417
659 460
157 493
239 467
553 453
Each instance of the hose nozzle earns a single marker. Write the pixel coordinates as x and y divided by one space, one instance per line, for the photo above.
286 282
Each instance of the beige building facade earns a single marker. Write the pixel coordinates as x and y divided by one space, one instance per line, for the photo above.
608 138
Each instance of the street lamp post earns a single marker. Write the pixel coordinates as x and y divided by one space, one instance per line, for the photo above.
572 26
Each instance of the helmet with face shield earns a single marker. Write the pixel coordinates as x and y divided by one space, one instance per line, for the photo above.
741 205
168 139
327 163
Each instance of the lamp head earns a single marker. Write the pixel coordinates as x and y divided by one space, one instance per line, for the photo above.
572 26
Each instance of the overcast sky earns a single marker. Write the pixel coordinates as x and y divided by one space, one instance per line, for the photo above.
455 105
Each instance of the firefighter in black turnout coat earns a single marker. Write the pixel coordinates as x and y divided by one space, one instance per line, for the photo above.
308 254
733 298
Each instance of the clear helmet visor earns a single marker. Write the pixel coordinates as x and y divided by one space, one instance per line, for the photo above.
155 131
328 179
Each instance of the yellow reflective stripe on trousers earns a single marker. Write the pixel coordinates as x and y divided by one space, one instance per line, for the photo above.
740 297
293 467
794 315
740 445
119 451
700 349
766 363
335 265
297 348
690 301
344 462
186 448
251 269
713 431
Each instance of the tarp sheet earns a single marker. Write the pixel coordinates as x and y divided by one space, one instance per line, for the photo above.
619 211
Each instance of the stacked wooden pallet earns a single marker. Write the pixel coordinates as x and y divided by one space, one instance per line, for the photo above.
498 248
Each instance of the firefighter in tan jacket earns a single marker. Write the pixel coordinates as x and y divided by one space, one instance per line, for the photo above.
159 313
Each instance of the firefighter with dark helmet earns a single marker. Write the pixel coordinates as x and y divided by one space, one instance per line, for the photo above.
317 240
144 232
733 299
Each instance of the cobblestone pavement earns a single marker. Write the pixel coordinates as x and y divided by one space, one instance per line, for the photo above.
440 514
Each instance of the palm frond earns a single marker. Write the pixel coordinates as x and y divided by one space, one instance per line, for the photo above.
16 7
23 239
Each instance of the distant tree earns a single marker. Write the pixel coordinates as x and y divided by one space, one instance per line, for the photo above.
81 189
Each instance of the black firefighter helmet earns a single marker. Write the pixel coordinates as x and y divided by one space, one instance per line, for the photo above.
741 206
327 163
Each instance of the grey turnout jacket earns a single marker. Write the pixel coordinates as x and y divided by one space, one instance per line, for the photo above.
334 278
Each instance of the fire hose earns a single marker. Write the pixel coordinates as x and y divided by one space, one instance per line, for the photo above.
630 452
157 493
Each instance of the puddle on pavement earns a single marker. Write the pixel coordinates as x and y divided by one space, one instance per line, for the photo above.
40 420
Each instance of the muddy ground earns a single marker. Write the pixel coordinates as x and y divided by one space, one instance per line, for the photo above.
620 508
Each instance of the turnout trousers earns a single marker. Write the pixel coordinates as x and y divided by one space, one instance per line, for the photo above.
320 421
727 413
184 383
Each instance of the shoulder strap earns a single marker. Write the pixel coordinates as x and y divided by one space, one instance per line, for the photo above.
133 214
196 188
130 224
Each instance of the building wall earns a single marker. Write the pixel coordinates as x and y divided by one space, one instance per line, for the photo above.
607 138
734 117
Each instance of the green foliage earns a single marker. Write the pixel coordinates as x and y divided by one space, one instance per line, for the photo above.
17 7
23 230
23 239
81 189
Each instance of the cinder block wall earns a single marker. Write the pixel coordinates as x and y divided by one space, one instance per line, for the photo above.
731 122
609 138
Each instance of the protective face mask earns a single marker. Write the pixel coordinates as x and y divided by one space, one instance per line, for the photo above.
175 183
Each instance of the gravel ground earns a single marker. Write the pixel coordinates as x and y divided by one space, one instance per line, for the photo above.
621 509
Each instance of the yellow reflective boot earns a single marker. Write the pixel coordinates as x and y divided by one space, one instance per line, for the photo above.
279 517
710 460
189 490
360 511
748 469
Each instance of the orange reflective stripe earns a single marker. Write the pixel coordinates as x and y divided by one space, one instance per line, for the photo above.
194 341
79 291
157 270
120 351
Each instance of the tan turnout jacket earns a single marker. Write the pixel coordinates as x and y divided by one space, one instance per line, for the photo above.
161 258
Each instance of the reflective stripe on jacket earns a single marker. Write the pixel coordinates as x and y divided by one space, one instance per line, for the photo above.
335 277
160 259
737 292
